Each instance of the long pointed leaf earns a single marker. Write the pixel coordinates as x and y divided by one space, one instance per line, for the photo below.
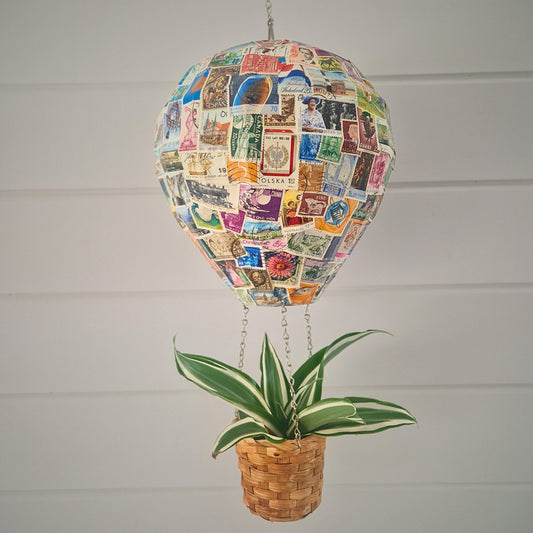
325 412
376 416
311 370
235 432
274 383
229 384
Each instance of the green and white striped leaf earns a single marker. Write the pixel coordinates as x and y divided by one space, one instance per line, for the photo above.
242 429
312 370
375 416
324 413
274 383
229 384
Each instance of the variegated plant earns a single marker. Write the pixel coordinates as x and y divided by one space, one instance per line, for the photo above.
265 410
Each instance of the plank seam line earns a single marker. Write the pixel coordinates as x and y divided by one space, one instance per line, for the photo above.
173 293
403 186
443 77
527 485
428 388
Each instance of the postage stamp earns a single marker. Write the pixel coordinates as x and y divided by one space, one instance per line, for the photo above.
245 297
336 217
204 164
331 252
234 274
303 294
350 136
368 100
302 54
171 122
260 204
384 134
246 137
275 297
260 64
287 117
252 259
195 89
254 93
376 179
242 172
368 139
268 234
207 218
330 148
353 233
184 216
313 204
278 161
340 85
233 221
362 171
309 243
318 271
215 91
214 130
170 161
216 194
366 211
224 245
337 177
310 176
289 218
351 70
309 145
226 58
188 139
292 80
284 268
259 278
329 63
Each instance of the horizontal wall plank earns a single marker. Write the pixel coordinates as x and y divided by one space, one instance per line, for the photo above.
159 44
119 342
94 242
164 440
378 509
100 136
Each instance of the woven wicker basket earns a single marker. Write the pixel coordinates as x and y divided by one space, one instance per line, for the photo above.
282 482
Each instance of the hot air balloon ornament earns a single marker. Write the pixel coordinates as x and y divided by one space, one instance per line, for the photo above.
274 157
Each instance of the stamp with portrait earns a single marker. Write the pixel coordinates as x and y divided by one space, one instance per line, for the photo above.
330 148
350 136
259 278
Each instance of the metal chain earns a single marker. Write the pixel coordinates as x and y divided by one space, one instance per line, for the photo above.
307 317
270 20
244 333
294 417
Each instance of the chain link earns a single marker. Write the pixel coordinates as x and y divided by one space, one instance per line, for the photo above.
244 333
307 317
290 377
270 20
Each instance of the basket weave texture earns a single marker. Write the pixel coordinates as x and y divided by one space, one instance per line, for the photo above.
282 482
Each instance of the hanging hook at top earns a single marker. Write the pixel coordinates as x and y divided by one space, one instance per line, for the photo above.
270 20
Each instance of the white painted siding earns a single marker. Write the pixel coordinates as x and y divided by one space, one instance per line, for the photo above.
98 433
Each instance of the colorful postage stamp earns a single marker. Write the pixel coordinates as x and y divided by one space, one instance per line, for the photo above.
275 297
317 271
368 139
362 171
302 54
278 162
233 221
293 80
242 171
350 136
330 63
303 294
287 117
337 177
204 164
366 211
215 91
384 134
259 278
340 85
309 243
171 122
195 90
353 233
330 148
214 130
207 218
336 217
188 140
261 231
378 173
246 137
215 193
368 100
284 268
178 187
331 252
245 297
170 161
309 145
224 245
289 218
310 176
260 64
260 204
226 58
313 204
234 274
254 93
252 259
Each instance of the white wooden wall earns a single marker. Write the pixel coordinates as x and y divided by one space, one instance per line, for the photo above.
98 433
